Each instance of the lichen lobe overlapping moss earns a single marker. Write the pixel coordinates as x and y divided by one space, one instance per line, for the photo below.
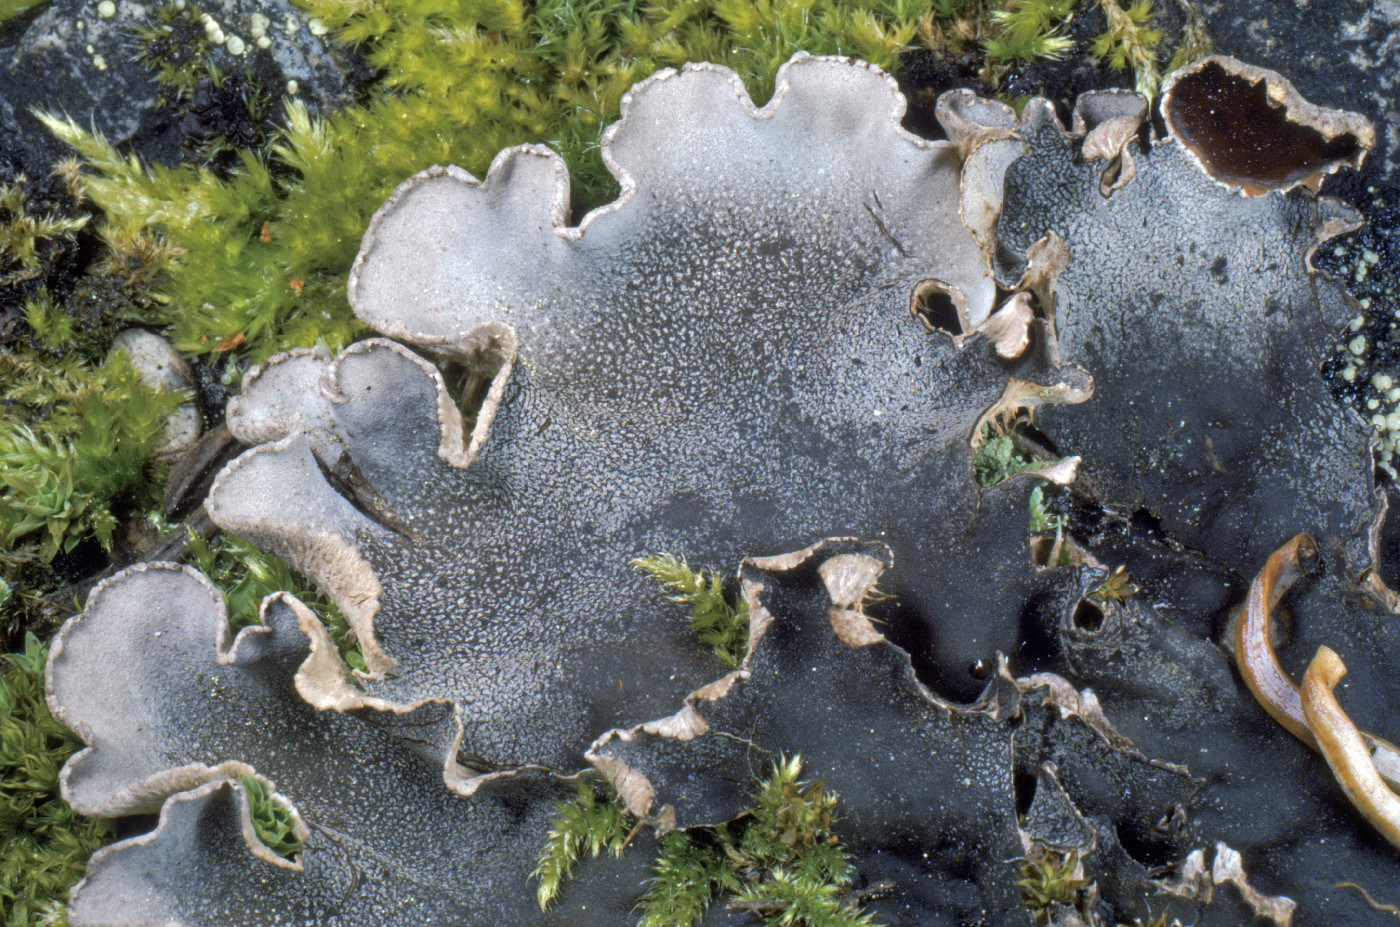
770 389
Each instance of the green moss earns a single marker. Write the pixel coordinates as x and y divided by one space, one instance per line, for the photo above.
778 859
246 575
1027 30
1116 587
594 821
176 48
1130 43
24 234
998 457
46 843
1051 879
75 451
716 623
272 821
9 9
1042 519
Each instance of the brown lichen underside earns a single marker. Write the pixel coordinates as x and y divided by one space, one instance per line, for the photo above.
1251 130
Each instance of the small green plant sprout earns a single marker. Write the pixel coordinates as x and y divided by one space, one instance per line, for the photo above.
997 456
1130 43
1026 30
715 622
65 483
1195 42
247 575
593 821
779 861
951 27
272 821
1051 878
1116 587
22 233
46 843
1042 520
176 48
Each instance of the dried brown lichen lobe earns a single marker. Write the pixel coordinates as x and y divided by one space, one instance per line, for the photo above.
1252 131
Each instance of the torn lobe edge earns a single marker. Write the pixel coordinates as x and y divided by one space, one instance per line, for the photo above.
1194 882
1108 122
189 802
1025 396
335 565
1084 705
332 560
850 580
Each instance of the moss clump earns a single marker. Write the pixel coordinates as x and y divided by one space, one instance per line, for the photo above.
1042 517
1130 43
778 859
1028 30
73 452
46 843
223 111
715 622
23 235
1050 880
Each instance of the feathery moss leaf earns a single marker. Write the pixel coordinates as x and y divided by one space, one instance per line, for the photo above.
715 623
